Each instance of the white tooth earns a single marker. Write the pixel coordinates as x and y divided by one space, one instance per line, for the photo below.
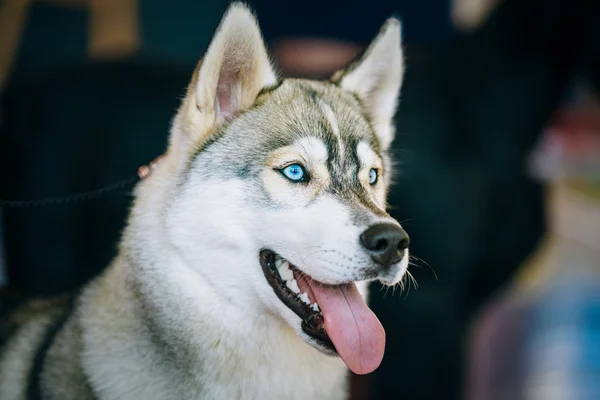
304 298
293 286
315 307
286 275
285 272
278 262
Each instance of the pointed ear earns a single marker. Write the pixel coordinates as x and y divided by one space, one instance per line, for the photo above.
228 79
375 77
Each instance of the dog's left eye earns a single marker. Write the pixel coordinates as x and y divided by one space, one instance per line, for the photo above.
373 175
294 173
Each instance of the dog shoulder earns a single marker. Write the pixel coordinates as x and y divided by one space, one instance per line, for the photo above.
33 334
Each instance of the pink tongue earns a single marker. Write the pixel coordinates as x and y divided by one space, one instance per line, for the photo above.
354 330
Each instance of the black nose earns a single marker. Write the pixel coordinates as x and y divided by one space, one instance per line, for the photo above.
385 243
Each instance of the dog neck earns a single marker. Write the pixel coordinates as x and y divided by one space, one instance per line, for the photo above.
204 347
201 343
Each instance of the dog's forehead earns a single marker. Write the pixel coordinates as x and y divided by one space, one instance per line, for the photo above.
303 108
286 116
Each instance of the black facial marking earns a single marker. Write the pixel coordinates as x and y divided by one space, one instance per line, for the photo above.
331 143
355 159
269 89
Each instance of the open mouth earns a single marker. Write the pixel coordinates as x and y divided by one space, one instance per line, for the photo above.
336 317
285 279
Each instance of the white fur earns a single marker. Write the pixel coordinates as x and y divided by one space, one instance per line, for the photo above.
330 116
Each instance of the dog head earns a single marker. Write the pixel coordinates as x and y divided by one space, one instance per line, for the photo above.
281 186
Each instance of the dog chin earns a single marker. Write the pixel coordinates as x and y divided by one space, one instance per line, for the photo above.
317 344
396 272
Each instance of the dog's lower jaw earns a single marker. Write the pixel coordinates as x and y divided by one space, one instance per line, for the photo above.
192 345
397 272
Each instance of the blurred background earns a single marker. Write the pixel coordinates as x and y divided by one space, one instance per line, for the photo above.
498 176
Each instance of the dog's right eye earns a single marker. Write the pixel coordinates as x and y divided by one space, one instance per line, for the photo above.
295 173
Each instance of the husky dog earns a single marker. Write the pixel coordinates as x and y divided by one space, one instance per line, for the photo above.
243 268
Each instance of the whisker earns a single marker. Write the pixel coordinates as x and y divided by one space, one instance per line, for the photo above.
424 262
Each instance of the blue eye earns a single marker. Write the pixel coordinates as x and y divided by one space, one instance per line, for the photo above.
373 176
294 172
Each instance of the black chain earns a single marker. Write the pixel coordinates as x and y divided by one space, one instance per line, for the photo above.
70 199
